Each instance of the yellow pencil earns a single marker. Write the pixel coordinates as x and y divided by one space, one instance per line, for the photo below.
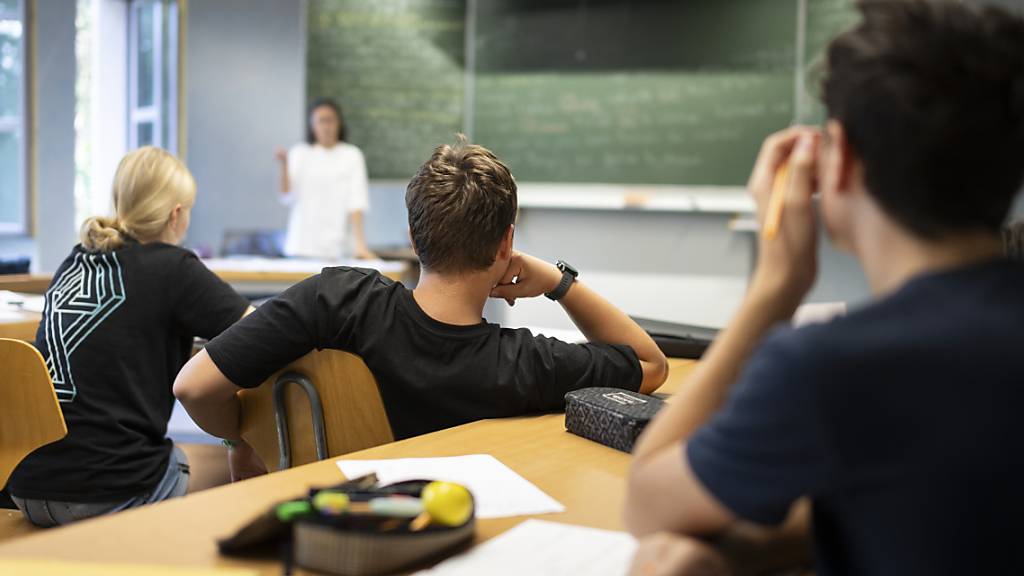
779 188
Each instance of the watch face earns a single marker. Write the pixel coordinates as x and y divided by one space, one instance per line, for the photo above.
566 267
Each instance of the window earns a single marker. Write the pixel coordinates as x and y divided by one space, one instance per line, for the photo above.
13 188
127 90
152 74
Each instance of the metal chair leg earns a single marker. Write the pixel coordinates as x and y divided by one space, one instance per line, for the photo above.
316 407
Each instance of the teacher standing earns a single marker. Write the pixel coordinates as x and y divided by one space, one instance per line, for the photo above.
324 182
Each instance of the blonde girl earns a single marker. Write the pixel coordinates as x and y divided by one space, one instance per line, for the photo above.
118 324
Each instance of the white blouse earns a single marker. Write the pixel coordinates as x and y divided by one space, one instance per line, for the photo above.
326 185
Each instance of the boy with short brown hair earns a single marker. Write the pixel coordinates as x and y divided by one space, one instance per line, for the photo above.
438 364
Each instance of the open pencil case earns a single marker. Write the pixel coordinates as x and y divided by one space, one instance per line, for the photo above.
346 544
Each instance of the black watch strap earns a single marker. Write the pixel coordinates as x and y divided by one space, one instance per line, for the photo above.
569 275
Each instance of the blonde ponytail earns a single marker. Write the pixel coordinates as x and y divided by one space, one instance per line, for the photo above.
148 185
101 233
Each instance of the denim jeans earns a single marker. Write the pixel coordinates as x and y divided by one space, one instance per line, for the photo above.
49 513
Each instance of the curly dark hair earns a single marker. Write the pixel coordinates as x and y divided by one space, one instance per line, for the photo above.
931 96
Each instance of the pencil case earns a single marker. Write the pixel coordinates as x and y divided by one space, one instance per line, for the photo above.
609 416
350 545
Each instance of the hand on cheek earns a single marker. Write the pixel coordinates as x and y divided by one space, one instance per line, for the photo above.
526 277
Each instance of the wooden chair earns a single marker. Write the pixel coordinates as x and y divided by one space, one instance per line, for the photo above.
30 416
329 405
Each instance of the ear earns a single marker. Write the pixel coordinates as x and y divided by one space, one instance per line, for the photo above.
408 231
172 221
845 159
505 247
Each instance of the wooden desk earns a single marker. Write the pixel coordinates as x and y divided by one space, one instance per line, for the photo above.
249 276
588 478
20 325
28 283
13 525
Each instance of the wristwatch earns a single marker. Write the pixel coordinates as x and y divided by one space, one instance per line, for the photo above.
569 275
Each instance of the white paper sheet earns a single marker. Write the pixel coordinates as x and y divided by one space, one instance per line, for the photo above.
499 492
19 301
8 315
542 548
570 335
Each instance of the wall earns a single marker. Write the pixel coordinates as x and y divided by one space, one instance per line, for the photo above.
55 132
109 95
687 268
245 73
672 266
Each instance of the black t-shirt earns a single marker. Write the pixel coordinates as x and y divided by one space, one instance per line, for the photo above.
116 329
901 421
431 375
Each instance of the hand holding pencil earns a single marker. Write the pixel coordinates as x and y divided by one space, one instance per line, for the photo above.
782 184
780 187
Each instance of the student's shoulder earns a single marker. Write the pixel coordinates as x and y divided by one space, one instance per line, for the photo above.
346 280
157 257
815 349
346 289
354 274
160 252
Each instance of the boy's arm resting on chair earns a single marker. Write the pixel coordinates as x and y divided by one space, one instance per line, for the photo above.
209 397
212 402
599 320
245 355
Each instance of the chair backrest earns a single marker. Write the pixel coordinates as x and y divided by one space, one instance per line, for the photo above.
352 410
30 415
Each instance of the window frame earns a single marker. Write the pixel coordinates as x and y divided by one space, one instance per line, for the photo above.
138 115
162 112
18 124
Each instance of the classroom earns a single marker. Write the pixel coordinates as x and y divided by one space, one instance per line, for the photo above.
553 287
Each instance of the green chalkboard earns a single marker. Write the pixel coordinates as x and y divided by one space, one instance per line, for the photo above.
397 68
640 91
825 20
631 127
648 92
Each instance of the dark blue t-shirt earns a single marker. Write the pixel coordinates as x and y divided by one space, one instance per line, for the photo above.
901 421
